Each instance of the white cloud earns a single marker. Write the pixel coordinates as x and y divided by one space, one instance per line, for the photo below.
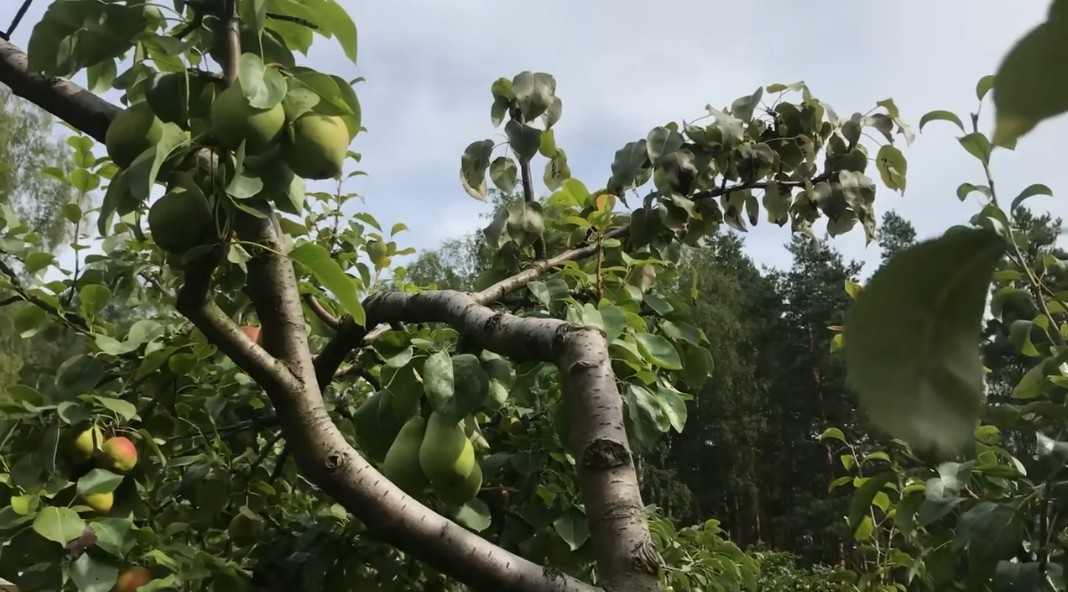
625 66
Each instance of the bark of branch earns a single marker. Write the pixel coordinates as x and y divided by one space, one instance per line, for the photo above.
59 96
284 368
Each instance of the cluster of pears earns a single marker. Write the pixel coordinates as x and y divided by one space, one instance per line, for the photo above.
116 454
313 146
434 452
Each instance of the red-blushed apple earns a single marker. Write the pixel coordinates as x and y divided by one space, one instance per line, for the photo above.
132 579
253 333
121 454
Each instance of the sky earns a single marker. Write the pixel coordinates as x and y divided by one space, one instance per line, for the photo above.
624 67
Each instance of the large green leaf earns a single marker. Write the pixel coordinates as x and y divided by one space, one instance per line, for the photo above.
59 524
92 574
861 503
74 34
1031 83
912 340
317 259
474 163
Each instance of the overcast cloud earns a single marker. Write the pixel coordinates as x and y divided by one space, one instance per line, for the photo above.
623 67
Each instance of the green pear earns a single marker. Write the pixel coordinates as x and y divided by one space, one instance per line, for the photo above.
460 492
234 121
134 130
401 465
446 455
319 146
181 219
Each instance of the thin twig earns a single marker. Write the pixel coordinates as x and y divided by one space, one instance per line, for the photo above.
15 21
74 321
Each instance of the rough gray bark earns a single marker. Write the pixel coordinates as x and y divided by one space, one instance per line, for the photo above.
284 367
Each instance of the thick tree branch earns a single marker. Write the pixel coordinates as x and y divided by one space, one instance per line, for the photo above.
60 97
625 554
326 459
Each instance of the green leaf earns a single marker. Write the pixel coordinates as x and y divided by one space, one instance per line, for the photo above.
557 171
98 481
74 34
628 163
547 147
84 181
145 168
658 351
474 163
504 172
966 189
864 530
263 87
58 524
470 385
1029 85
743 107
673 406
912 339
662 141
984 85
553 113
475 515
534 93
860 504
29 320
112 535
37 260
989 530
1017 577
523 139
1031 191
892 167
317 259
124 409
977 145
833 433
438 381
100 76
940 115
341 27
92 574
646 414
572 528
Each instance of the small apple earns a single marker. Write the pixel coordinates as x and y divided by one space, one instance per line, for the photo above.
244 531
253 333
121 454
100 502
132 579
86 443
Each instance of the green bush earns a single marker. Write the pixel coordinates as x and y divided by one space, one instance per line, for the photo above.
779 572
